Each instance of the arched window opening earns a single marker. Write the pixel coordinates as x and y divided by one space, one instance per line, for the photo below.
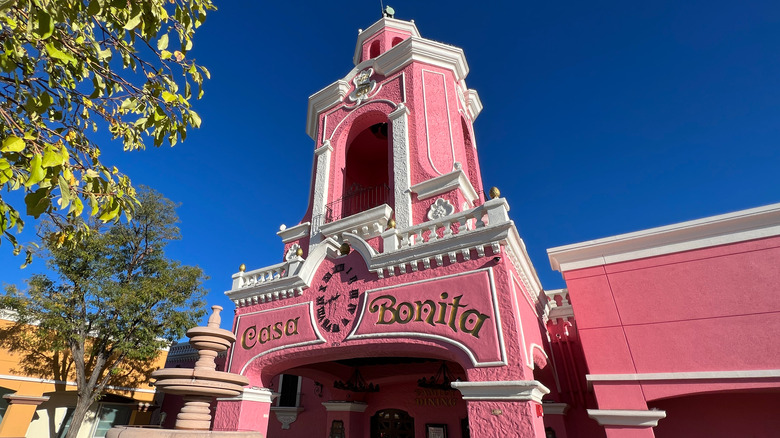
366 173
392 423
373 52
397 40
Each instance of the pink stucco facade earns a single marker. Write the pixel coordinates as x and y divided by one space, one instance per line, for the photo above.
406 304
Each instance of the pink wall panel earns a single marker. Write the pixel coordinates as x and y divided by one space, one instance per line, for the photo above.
592 301
734 343
606 350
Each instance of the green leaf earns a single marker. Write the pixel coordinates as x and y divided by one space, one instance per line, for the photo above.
37 172
94 7
56 53
194 119
64 192
51 157
162 43
45 25
37 202
12 144
133 22
168 96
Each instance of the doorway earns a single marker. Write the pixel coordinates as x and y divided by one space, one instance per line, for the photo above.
392 423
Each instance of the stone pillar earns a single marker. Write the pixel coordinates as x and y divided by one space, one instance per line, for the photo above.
320 198
20 412
246 412
504 408
350 413
627 423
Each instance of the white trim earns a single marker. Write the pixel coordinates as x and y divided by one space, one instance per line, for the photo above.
514 390
424 51
286 415
384 22
366 224
255 394
740 226
474 105
322 100
425 115
696 375
320 196
344 406
440 338
401 167
294 233
456 179
69 383
555 408
626 417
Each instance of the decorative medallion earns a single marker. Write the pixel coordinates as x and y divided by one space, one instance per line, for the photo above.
440 208
292 252
364 86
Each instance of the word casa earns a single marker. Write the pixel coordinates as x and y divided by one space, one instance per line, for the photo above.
432 313
271 332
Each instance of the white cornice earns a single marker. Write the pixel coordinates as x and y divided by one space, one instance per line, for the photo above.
555 408
516 390
445 183
413 49
294 233
322 100
695 375
392 23
473 103
626 417
425 51
262 395
367 224
755 223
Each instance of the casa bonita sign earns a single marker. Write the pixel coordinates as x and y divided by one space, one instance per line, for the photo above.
460 309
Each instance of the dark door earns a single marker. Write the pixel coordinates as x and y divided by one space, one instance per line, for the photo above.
392 423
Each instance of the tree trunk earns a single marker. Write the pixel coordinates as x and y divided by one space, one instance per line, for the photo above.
82 407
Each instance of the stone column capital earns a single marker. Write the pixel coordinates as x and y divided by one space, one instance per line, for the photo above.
16 399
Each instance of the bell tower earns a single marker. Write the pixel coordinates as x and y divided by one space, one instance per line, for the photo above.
404 293
396 131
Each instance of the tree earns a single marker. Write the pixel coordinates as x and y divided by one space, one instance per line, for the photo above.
71 68
118 301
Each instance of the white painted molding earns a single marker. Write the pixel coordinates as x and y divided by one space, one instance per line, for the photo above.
740 226
429 52
555 408
512 390
626 417
456 179
320 101
286 415
696 375
254 394
294 233
366 224
344 406
474 104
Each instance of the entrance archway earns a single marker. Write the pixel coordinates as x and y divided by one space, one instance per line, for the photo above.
392 423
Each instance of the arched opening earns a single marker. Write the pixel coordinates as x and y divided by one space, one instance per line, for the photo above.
397 40
373 52
366 173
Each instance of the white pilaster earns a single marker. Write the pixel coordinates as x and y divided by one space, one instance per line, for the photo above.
401 172
321 180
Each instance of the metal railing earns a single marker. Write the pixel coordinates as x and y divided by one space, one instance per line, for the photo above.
356 201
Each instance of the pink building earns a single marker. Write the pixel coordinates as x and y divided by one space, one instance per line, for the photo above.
406 304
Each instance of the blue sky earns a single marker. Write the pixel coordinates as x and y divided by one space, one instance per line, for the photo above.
600 118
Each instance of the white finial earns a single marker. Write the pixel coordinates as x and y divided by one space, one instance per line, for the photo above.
282 227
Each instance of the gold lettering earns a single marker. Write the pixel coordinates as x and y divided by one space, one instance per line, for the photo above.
249 335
